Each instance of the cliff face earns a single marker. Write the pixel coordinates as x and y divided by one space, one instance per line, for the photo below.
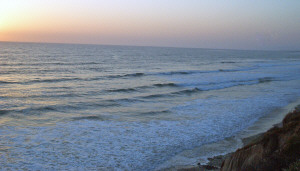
274 150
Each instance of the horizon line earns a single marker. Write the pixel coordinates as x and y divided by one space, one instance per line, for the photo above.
153 46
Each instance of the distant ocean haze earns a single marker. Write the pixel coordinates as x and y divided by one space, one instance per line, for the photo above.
66 106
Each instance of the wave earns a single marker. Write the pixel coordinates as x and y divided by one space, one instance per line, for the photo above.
140 88
151 113
92 117
52 80
43 109
224 70
50 95
242 81
104 103
181 92
228 62
188 91
31 110
212 86
50 63
131 75
202 71
155 96
6 82
41 81
178 72
197 88
141 74
138 74
187 72
237 70
181 89
134 75
166 85
4 112
234 83
122 90
265 79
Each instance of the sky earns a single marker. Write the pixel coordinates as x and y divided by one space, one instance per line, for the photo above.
230 24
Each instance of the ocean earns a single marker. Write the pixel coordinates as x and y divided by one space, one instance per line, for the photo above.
96 107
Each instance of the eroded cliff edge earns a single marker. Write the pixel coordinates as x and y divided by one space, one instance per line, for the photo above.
276 149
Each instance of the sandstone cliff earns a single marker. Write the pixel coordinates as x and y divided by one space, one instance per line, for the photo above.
275 150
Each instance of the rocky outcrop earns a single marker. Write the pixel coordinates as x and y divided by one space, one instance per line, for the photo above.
200 168
274 150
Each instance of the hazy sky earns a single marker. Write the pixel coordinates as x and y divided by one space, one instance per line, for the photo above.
255 24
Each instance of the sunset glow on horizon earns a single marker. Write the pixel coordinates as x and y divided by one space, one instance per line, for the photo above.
210 24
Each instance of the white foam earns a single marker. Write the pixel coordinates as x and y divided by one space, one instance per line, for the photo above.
92 144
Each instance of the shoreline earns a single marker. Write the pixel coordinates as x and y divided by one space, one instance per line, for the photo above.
214 163
246 137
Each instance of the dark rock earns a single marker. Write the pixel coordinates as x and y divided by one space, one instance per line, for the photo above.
199 168
209 167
